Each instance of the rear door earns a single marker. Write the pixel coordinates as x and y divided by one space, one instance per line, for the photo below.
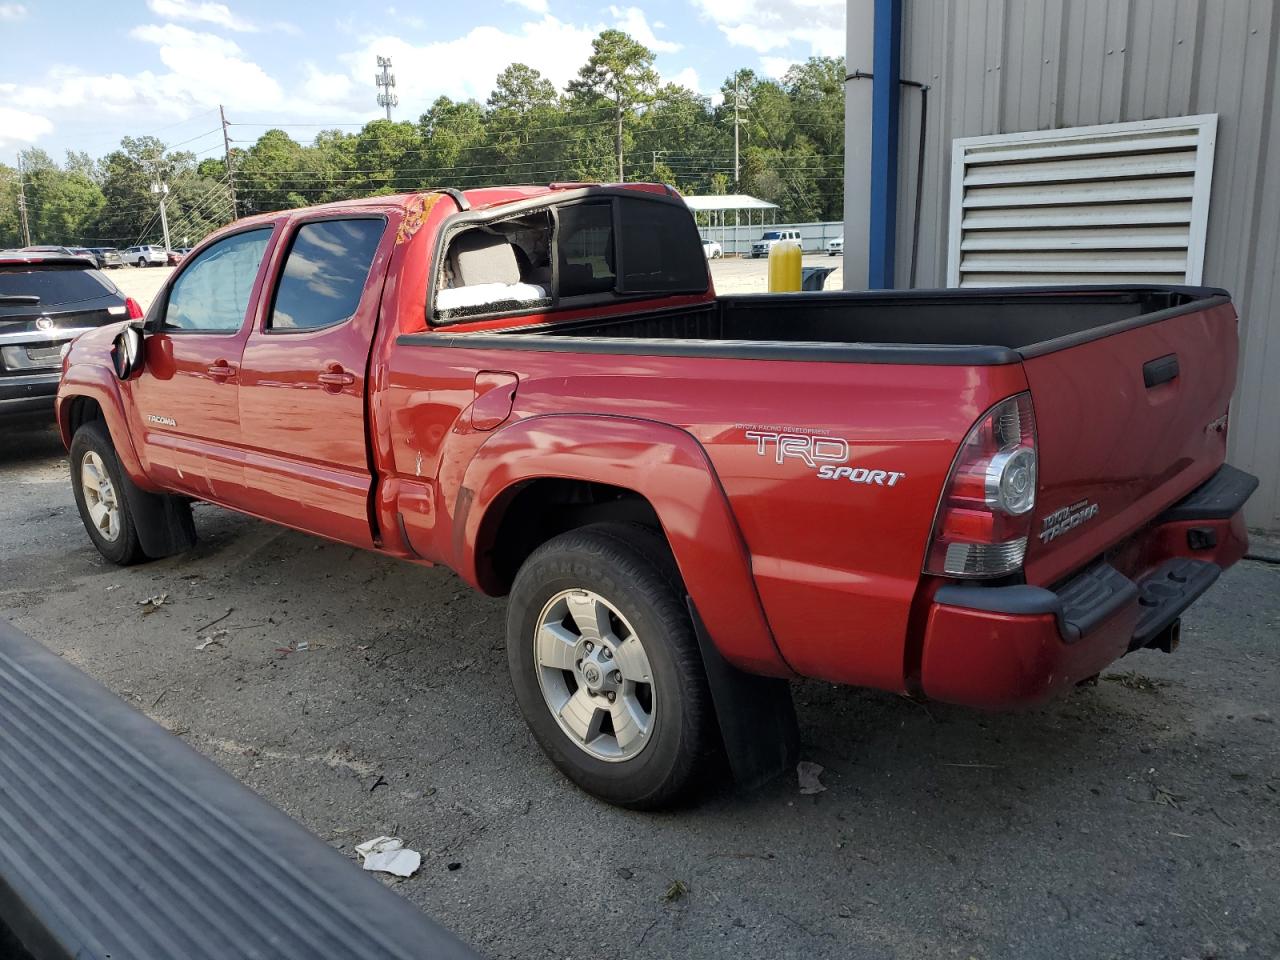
1128 422
302 393
186 395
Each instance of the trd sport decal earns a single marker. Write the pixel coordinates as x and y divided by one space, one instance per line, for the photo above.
828 455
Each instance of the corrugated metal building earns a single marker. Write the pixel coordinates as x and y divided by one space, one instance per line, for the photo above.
1008 66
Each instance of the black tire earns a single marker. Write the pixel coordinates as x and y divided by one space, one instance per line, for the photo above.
125 549
632 569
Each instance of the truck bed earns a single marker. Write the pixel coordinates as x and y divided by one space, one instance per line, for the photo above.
987 326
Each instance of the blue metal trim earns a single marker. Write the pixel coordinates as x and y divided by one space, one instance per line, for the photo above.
886 67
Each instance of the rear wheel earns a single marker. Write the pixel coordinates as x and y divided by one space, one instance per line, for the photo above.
142 262
606 667
98 484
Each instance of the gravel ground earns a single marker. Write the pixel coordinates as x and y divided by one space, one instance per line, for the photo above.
1136 818
732 275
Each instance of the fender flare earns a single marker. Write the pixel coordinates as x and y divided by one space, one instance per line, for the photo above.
661 463
99 384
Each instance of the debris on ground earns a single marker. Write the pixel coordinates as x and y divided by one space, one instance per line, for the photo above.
675 891
455 866
389 855
212 640
1134 681
808 773
624 874
152 604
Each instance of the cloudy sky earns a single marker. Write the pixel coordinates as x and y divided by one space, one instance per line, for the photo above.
78 75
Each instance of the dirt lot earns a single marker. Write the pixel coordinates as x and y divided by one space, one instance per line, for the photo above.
1138 818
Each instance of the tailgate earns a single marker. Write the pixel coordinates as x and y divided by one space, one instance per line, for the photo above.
1129 421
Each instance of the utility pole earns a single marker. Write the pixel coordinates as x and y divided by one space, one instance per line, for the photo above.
231 174
386 81
656 155
22 204
735 133
161 189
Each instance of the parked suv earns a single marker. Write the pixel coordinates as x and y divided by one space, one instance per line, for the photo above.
46 300
761 247
109 258
147 256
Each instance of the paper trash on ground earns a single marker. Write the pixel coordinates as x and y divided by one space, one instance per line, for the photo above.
808 772
388 855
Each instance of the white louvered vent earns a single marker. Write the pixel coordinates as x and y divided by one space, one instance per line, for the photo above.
1117 203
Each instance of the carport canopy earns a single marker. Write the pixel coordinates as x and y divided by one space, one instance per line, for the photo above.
728 201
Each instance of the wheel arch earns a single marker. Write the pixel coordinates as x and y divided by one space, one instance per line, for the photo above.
590 468
92 393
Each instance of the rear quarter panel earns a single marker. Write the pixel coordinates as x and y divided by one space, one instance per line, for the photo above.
836 563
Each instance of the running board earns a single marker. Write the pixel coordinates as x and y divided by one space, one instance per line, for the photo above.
118 840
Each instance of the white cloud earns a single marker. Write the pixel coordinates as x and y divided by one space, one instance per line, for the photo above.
765 25
12 11
208 69
326 87
632 20
688 77
468 65
19 128
218 14
537 6
776 67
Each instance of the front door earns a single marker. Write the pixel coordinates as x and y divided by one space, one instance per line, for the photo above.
302 380
186 395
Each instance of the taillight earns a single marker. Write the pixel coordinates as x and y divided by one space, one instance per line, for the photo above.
984 517
133 308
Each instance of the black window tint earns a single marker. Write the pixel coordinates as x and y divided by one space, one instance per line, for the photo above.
53 284
586 249
325 273
661 249
212 293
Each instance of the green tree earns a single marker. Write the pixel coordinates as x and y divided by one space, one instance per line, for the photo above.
619 72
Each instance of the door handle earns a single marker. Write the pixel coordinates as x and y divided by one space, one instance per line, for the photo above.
335 379
1161 370
221 370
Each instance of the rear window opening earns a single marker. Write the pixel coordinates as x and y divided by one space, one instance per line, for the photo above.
496 268
573 254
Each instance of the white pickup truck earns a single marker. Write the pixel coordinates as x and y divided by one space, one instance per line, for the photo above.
761 247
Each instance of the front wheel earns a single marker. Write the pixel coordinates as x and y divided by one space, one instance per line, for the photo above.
98 484
142 262
606 666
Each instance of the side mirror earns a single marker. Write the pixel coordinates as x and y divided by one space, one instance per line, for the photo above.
128 354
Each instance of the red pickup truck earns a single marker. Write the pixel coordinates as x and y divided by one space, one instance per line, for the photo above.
975 496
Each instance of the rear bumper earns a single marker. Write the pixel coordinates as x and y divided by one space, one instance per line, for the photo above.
1014 646
28 394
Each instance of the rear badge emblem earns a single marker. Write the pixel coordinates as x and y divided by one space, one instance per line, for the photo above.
44 323
1067 518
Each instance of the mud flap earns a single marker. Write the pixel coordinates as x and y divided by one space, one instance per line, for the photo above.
756 714
164 522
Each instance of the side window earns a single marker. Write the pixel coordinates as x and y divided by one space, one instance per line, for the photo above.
586 249
212 293
325 273
661 249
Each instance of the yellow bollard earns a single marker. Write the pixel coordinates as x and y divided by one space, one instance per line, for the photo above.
784 267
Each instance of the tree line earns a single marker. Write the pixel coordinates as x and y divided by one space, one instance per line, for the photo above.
615 120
